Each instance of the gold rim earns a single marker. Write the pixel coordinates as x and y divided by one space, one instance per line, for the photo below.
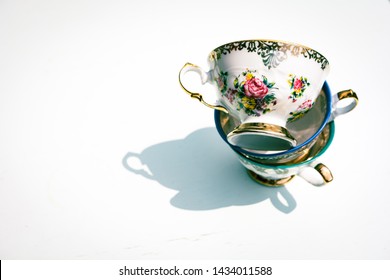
271 41
269 182
262 129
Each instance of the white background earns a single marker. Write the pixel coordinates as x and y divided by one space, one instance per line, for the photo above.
103 156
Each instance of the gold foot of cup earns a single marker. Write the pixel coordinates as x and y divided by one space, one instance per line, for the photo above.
269 182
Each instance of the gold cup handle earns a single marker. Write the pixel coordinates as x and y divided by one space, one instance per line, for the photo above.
344 96
325 172
322 170
205 77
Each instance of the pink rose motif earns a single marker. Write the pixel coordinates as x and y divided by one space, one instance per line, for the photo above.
306 105
254 87
231 95
220 83
298 84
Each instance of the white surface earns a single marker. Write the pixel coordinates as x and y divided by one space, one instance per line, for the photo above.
86 84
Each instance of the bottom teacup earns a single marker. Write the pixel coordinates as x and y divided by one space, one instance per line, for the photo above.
278 175
305 130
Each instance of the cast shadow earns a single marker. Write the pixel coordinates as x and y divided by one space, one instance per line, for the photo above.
205 173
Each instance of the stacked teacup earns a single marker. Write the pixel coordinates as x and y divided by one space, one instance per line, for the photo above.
274 107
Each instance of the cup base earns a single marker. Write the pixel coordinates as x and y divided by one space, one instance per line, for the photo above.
269 182
261 137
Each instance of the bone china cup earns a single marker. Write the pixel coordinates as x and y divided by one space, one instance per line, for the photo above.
309 169
305 130
266 85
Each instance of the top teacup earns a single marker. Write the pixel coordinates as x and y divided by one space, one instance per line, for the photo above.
265 84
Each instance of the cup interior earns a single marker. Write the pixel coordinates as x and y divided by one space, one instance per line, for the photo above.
304 130
320 145
278 175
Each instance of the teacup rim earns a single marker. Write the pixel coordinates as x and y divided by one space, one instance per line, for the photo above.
332 129
273 41
328 96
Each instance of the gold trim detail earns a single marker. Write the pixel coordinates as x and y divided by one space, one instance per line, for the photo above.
324 172
192 67
349 93
269 182
256 127
263 129
267 48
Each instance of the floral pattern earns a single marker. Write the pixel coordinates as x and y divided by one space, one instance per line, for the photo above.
271 52
301 110
251 93
255 95
298 85
222 81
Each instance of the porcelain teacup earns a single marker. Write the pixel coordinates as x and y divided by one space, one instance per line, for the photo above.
305 130
266 85
278 175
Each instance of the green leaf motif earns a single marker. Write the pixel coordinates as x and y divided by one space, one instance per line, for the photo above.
235 82
267 49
